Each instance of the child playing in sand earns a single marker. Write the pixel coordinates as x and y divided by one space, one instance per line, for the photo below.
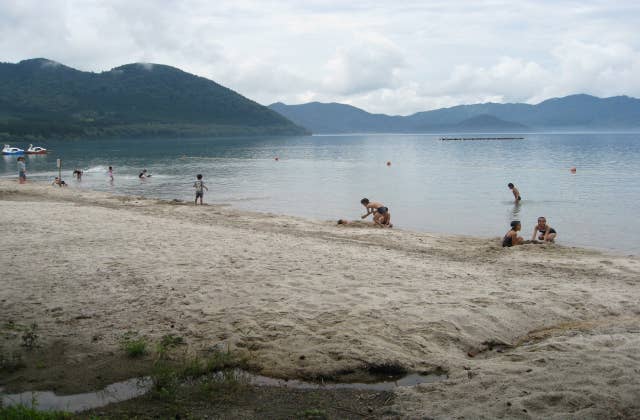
59 182
512 238
199 186
381 214
514 190
547 233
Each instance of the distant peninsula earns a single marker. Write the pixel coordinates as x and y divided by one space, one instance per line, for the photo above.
575 112
41 99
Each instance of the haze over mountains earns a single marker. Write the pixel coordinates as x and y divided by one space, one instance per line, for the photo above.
573 112
40 98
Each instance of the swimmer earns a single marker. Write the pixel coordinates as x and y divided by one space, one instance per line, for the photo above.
381 214
546 232
514 190
511 238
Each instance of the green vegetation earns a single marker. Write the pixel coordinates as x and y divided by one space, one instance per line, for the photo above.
11 362
30 338
313 413
134 346
42 99
21 412
217 373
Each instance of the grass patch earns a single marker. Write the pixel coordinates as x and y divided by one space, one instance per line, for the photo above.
313 413
21 412
216 371
11 362
30 337
134 346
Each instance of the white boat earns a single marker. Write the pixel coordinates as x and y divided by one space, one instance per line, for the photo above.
8 150
37 150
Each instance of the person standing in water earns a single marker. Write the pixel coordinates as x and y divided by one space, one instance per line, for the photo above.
546 232
514 190
200 187
22 170
512 238
110 174
381 214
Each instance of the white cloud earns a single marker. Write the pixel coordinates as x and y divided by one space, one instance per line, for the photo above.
370 63
392 57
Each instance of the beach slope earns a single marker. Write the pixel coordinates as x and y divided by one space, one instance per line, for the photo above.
532 331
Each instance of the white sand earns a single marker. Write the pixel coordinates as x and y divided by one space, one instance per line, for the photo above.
83 263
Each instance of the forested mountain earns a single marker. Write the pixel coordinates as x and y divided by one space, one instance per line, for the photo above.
42 98
568 113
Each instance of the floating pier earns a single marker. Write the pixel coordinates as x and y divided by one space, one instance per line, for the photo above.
479 138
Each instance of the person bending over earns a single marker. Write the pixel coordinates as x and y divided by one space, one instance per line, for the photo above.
381 214
514 190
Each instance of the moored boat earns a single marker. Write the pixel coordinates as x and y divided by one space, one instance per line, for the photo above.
8 150
36 150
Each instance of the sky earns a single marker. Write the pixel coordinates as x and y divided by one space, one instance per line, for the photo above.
393 57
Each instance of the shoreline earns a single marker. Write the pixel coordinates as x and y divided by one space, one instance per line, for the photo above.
311 299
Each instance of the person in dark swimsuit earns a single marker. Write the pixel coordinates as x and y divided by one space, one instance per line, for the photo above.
511 238
544 231
381 214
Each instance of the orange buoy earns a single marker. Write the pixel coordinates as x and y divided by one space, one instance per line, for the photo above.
573 170
388 163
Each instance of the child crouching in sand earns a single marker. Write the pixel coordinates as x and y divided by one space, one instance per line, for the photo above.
381 214
512 238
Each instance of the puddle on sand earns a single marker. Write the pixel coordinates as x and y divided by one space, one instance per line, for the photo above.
132 388
47 400
408 380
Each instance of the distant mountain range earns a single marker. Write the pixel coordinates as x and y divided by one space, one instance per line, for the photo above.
40 98
568 113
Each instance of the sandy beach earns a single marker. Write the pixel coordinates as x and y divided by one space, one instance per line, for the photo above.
537 331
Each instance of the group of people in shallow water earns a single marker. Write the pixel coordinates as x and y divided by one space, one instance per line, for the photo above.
542 230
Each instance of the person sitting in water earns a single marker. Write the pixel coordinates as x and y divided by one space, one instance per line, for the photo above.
512 238
514 190
59 182
381 214
144 174
545 232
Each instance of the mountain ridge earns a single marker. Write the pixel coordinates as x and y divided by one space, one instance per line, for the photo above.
41 98
579 111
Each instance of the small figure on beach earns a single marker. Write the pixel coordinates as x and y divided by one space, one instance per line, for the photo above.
78 174
200 187
381 214
59 182
514 190
512 238
544 231
110 174
22 170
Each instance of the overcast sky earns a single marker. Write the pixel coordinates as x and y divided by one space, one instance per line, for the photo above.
394 57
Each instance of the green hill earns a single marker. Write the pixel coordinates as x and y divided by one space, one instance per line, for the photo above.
42 98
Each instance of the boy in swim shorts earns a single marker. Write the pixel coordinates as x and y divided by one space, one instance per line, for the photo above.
514 190
200 187
381 214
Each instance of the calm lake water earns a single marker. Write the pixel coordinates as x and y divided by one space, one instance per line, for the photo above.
434 186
